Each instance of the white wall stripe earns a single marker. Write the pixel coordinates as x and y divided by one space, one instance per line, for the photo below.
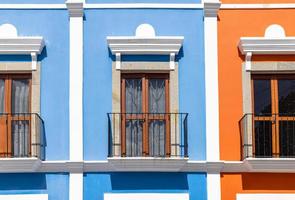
76 186
148 6
257 6
213 187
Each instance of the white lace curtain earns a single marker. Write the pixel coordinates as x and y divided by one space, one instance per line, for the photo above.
134 127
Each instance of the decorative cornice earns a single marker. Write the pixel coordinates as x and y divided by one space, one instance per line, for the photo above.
267 46
21 45
159 45
76 9
211 9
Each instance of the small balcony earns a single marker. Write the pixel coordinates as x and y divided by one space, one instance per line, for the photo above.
156 135
268 136
21 135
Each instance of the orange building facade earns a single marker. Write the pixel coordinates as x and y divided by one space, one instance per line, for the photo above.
256 72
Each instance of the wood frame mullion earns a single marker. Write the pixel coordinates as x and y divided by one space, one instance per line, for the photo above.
145 110
123 117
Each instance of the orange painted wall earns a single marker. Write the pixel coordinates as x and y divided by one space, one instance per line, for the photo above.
231 184
232 25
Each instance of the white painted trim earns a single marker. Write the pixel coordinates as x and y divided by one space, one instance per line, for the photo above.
75 8
211 8
19 164
143 6
146 196
213 187
159 45
147 164
24 197
148 6
265 197
267 46
268 165
248 58
33 6
211 82
257 6
76 87
76 186
21 45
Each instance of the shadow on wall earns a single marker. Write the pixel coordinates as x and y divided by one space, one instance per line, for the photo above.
22 182
149 181
268 181
22 58
147 58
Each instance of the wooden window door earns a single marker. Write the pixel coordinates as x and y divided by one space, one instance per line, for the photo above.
274 115
15 118
145 129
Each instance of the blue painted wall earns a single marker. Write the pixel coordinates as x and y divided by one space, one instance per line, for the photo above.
98 73
55 185
96 184
53 26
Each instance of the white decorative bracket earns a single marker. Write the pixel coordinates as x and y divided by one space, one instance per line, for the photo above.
172 61
75 8
211 8
34 61
145 42
118 61
248 61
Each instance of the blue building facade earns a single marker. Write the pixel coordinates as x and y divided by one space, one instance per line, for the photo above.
104 100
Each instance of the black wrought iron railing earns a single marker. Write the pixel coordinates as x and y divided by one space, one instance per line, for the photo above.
21 135
148 134
268 135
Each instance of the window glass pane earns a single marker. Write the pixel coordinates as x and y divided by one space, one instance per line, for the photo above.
133 95
263 139
287 138
262 97
134 130
157 137
2 93
20 138
157 95
286 97
20 96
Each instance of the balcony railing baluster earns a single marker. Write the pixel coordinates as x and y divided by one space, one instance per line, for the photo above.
147 134
267 135
21 135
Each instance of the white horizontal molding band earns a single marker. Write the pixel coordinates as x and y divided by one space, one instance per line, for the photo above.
257 6
144 5
146 196
33 6
24 197
148 6
106 6
15 165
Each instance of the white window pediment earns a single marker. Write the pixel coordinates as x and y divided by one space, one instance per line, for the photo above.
12 44
145 42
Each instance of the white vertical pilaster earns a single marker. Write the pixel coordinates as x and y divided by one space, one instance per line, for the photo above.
76 80
76 186
213 186
75 8
211 80
211 8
